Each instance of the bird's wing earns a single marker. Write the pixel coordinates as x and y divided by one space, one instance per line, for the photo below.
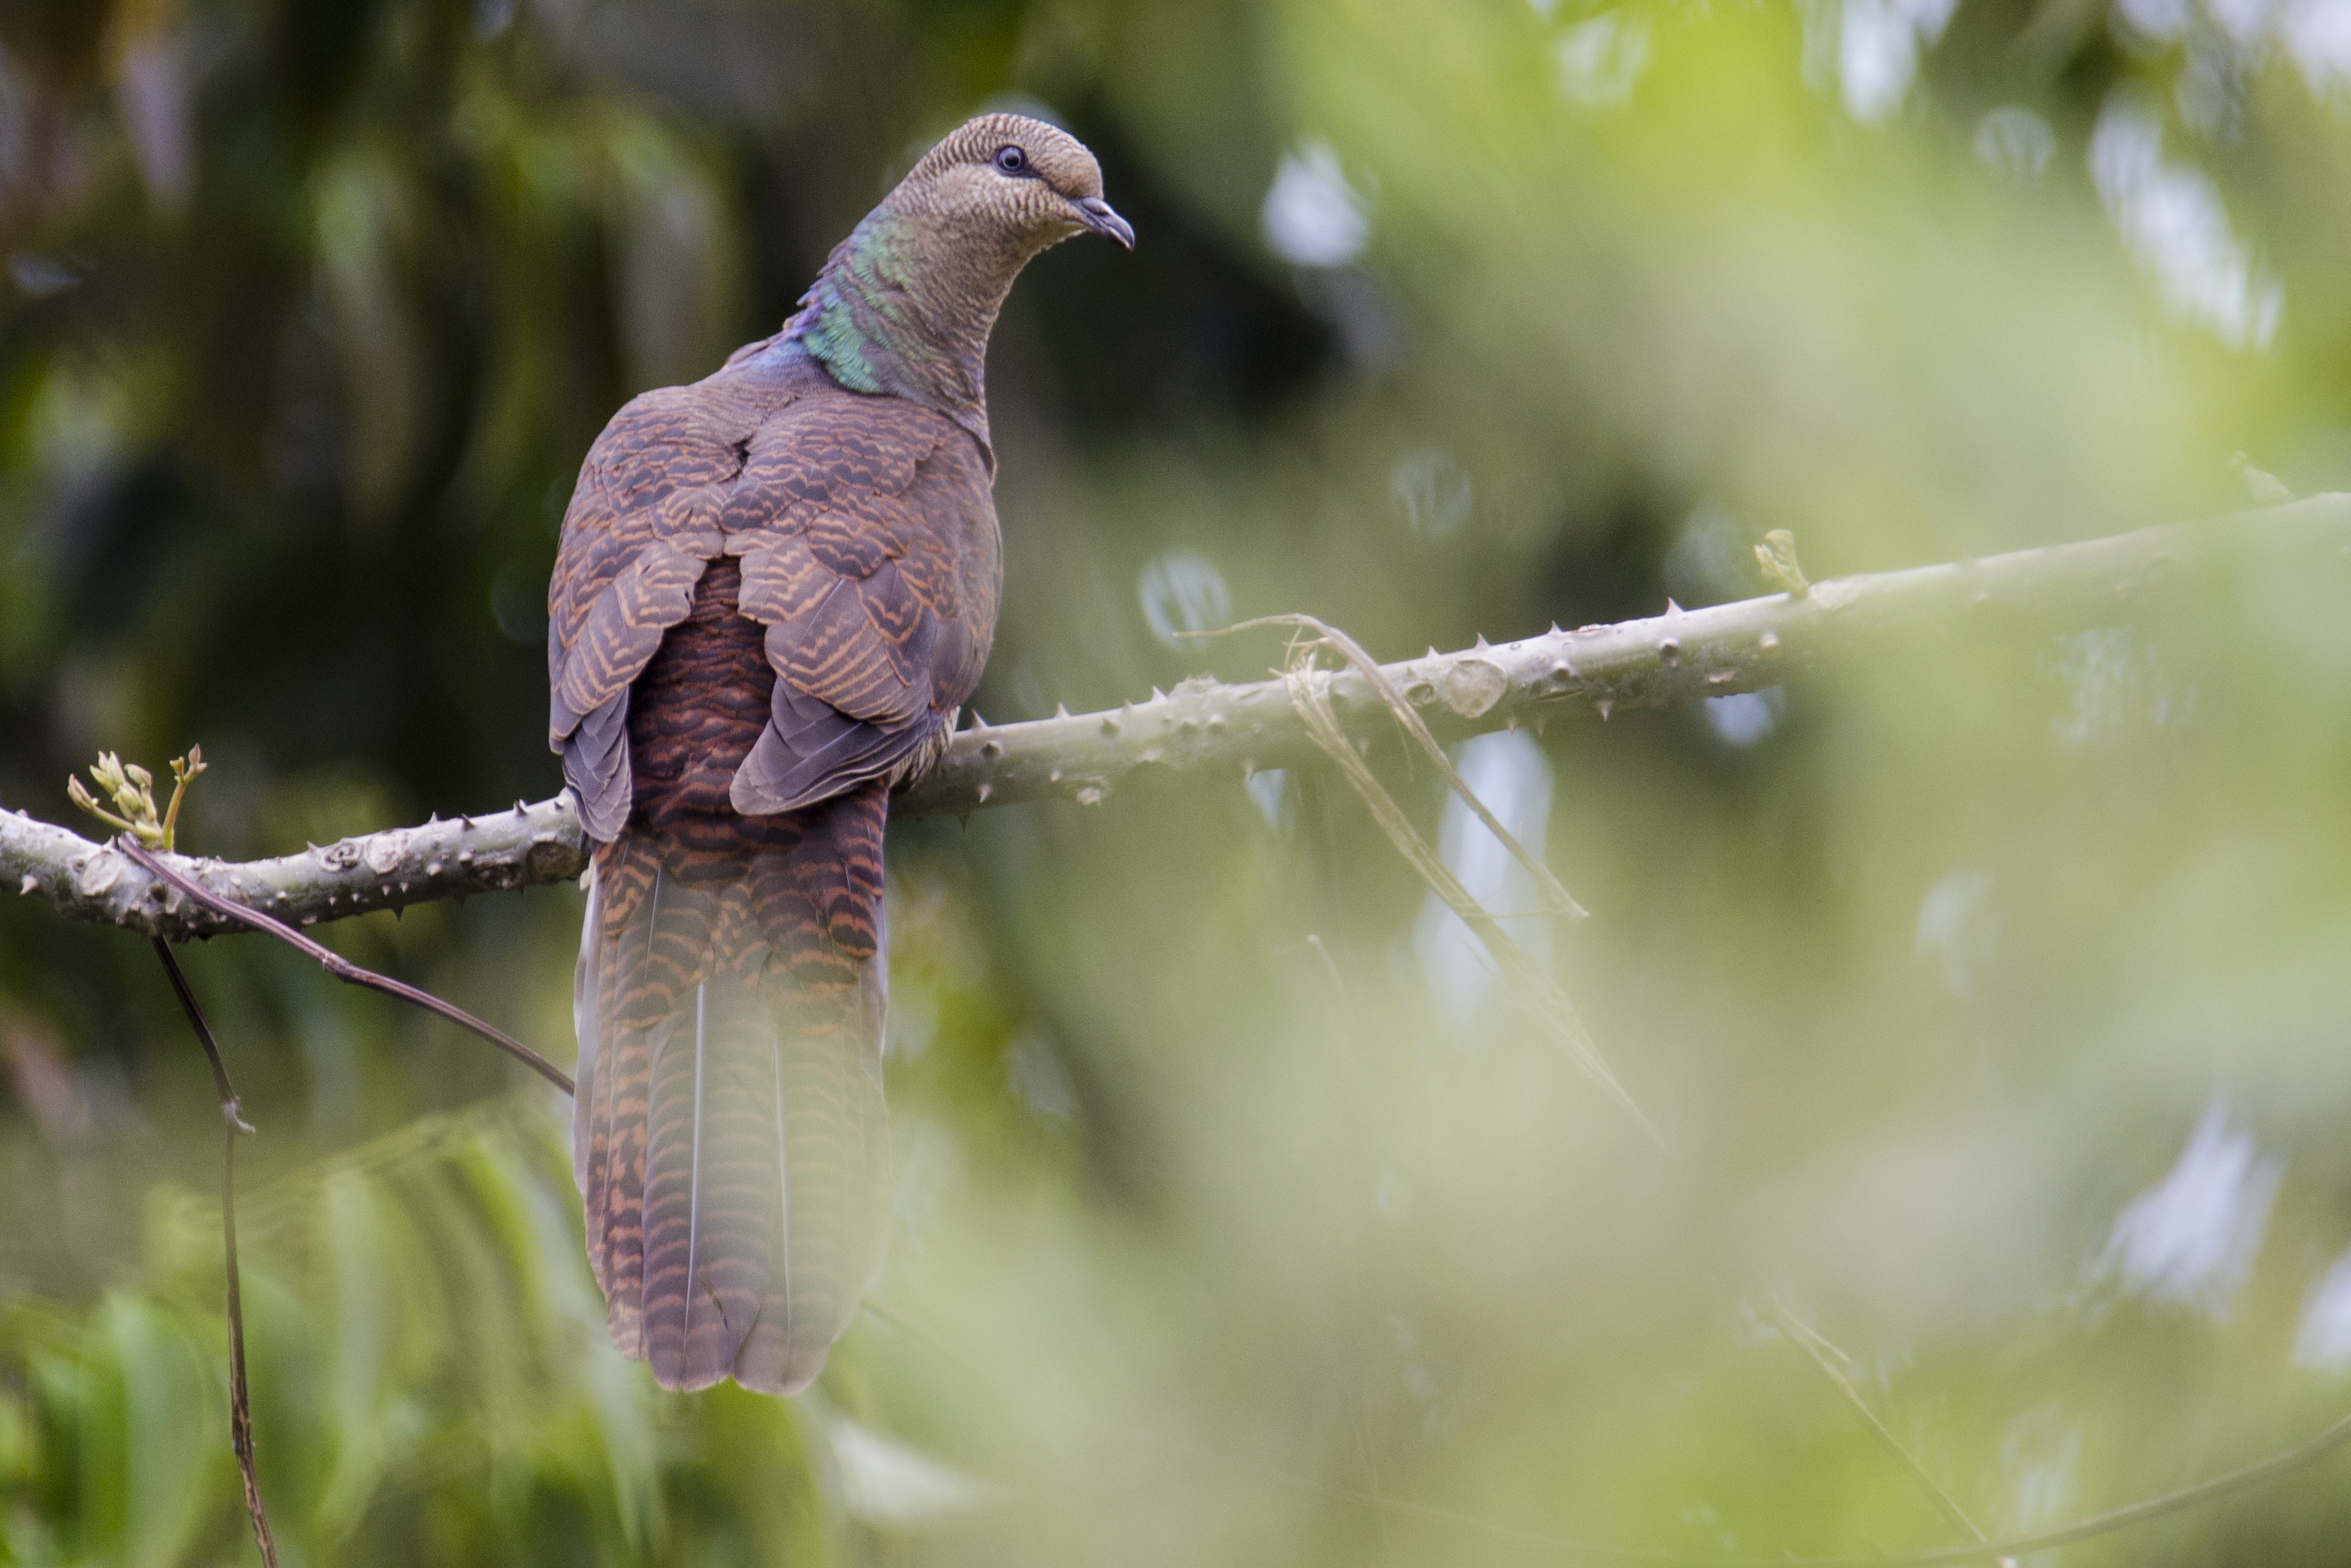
870 553
642 523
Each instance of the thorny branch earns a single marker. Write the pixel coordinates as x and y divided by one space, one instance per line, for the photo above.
1206 729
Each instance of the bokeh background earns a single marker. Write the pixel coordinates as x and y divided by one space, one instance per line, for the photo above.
1994 994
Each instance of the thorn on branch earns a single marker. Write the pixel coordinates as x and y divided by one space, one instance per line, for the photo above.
2265 488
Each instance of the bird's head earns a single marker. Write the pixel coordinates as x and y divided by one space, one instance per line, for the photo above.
1007 183
905 304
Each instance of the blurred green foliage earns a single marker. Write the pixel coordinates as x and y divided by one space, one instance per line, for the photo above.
1991 991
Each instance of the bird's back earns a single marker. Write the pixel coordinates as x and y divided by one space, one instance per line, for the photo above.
771 597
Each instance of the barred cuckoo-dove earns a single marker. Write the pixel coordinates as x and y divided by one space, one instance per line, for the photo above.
774 591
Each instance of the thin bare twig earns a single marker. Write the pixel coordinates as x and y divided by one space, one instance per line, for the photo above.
2097 1524
1331 967
1473 681
1819 1349
240 1399
342 968
1536 991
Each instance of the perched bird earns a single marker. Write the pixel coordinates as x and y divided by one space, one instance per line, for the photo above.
775 590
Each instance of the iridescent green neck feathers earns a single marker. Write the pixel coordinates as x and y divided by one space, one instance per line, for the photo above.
865 270
889 315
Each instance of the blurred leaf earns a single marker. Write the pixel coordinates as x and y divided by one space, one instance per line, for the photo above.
146 1391
390 1317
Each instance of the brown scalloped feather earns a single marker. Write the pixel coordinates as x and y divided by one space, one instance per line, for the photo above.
729 1135
770 599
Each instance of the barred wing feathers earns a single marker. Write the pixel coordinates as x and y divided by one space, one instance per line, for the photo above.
771 599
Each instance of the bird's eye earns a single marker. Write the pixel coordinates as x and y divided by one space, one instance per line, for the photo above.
1011 161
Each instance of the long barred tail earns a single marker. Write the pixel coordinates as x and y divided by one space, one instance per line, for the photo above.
728 1134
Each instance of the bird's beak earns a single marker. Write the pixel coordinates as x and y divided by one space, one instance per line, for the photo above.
1097 215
